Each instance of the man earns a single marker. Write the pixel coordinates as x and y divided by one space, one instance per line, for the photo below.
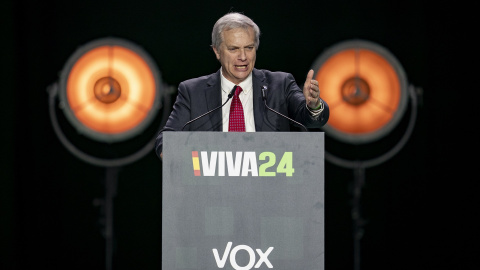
235 41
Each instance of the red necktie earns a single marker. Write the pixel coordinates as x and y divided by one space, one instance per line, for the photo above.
237 121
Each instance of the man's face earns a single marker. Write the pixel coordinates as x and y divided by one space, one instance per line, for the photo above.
237 54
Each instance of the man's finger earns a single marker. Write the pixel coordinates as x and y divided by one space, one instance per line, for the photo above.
309 76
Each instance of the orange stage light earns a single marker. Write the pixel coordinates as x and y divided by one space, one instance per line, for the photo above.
109 89
365 88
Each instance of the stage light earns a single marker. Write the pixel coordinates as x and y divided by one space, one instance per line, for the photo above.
365 88
109 90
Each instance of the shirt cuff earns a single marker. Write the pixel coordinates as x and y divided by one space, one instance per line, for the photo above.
317 111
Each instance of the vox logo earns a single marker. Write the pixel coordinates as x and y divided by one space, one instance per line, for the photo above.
263 257
225 163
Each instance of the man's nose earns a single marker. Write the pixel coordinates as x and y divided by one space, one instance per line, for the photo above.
242 55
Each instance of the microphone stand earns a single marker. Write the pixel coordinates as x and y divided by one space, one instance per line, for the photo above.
230 95
264 96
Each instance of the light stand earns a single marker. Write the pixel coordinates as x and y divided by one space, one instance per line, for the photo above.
359 167
111 181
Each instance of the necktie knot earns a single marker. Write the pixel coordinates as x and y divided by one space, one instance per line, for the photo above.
238 90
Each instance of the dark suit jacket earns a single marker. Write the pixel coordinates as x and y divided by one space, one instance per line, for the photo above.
200 95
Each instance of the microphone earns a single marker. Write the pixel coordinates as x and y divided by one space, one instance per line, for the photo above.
264 96
230 95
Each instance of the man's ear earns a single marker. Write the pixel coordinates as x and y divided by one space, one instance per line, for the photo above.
217 54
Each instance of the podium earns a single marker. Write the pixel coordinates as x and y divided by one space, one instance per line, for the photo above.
246 200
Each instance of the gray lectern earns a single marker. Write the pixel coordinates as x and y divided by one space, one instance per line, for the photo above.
243 200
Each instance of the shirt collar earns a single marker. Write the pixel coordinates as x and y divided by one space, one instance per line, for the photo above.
227 85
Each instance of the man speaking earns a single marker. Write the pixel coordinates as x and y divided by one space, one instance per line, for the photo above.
239 97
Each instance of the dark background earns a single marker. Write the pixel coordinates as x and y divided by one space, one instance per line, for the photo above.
419 205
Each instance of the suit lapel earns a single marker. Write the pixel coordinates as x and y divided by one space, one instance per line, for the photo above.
259 80
213 98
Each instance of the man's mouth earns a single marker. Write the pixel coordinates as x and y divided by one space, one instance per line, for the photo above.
241 67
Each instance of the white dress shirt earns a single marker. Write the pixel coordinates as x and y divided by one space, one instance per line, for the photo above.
246 97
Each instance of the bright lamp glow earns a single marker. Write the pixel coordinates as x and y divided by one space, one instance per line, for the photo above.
365 89
109 89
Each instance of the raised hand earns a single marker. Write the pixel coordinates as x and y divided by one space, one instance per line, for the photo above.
311 91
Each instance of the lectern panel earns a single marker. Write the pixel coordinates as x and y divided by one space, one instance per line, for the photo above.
243 200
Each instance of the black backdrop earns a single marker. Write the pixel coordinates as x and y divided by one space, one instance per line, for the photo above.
417 216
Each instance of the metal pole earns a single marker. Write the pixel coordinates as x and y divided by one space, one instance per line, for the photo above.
358 222
111 178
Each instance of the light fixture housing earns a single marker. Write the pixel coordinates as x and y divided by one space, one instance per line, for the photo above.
366 90
109 90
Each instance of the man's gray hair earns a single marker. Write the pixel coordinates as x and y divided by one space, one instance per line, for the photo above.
230 21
